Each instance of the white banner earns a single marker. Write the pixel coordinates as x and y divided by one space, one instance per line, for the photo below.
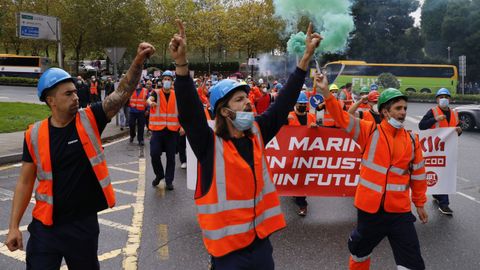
440 155
192 163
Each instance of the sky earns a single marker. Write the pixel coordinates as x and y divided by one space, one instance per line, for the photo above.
416 14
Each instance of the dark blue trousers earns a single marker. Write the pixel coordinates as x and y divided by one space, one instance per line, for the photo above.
442 199
257 256
182 147
401 233
163 141
137 119
76 241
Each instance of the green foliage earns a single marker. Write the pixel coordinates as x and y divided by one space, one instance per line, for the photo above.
430 97
200 67
388 80
18 81
16 116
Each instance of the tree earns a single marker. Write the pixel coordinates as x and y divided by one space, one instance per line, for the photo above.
385 32
388 80
433 13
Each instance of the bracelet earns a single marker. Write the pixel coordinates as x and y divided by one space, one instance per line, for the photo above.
182 65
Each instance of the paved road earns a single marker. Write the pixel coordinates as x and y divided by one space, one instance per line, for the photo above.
18 93
164 221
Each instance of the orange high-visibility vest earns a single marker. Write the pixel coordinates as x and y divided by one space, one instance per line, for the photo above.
93 88
293 119
38 142
440 124
239 205
138 101
328 120
364 107
348 99
368 116
207 113
165 114
392 164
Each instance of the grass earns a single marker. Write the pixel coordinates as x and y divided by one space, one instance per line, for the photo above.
16 116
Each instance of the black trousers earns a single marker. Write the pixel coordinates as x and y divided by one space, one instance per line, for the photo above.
76 241
137 119
257 256
163 141
181 148
401 233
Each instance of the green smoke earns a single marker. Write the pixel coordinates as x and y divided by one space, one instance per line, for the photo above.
331 18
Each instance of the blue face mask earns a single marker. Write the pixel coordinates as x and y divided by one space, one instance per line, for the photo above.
167 84
443 102
395 123
243 120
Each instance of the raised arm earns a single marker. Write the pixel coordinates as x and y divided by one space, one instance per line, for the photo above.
113 102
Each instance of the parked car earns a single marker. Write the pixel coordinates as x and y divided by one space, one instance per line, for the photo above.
469 116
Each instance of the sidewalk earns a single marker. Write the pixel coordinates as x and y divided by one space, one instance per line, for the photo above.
11 144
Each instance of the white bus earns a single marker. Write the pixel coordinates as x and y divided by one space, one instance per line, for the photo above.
12 65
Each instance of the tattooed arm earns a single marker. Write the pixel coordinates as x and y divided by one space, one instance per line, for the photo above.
113 102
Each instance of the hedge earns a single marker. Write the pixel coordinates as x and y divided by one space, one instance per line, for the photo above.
202 67
430 97
18 81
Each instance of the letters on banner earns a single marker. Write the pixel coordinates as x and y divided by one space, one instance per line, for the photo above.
326 161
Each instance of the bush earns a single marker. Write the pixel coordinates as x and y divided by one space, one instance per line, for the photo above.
201 67
18 81
430 97
388 80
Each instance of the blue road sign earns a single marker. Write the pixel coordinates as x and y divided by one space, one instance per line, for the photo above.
316 100
29 31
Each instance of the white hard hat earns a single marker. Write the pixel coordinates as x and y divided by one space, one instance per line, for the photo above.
260 80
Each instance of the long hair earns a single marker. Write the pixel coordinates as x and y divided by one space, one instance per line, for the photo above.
221 127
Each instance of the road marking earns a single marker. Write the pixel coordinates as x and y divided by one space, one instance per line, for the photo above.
468 197
463 179
113 224
126 163
122 169
117 141
22 228
6 167
5 195
17 255
130 260
105 256
115 209
124 181
125 192
163 242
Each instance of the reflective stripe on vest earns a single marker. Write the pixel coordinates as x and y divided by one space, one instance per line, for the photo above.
138 101
229 224
93 88
38 142
453 118
293 119
165 114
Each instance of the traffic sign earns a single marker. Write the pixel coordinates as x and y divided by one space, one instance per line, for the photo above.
35 26
316 100
253 61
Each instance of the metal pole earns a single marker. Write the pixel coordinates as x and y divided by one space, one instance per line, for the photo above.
59 44
448 48
115 63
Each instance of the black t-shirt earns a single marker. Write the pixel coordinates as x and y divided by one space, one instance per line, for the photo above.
302 119
155 97
76 190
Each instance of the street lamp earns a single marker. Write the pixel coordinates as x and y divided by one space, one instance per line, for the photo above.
448 49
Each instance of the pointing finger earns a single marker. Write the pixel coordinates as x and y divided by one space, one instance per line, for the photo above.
181 28
309 30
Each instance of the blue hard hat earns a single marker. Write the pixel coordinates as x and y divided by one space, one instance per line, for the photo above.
49 79
302 98
278 86
222 88
373 87
167 73
443 91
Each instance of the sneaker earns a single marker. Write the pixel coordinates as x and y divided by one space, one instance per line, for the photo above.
169 186
184 165
156 181
302 211
444 209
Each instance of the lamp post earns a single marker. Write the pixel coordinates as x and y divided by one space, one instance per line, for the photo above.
448 49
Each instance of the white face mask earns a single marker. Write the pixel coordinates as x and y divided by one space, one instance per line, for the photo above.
443 102
167 84
395 123
243 120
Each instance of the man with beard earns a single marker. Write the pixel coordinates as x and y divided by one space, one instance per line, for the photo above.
64 152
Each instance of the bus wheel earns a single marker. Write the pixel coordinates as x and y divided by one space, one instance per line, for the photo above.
425 90
410 90
466 122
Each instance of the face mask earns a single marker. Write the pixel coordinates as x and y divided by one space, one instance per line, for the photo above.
167 84
265 90
301 109
243 120
443 102
395 123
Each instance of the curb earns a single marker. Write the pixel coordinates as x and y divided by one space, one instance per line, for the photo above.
17 157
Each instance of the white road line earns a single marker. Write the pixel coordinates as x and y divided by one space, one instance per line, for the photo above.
122 169
130 260
22 228
114 224
125 192
124 181
17 255
115 209
468 197
117 141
